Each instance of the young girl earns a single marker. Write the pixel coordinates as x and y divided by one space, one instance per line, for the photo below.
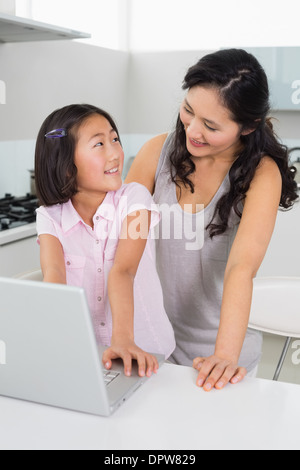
93 233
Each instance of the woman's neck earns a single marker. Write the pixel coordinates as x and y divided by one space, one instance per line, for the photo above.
86 204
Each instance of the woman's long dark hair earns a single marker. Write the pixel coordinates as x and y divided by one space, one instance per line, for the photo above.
243 88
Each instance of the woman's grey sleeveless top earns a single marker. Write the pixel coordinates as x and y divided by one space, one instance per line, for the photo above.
191 267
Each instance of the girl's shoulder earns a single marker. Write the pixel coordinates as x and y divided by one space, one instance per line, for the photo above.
134 191
53 213
131 198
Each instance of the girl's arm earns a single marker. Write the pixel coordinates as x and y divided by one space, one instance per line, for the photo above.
52 260
131 246
248 251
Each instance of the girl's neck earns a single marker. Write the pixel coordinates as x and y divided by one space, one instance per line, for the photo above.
86 205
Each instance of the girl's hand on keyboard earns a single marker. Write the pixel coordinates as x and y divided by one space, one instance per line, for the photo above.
127 351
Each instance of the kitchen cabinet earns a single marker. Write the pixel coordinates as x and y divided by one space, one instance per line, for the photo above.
283 255
15 29
19 251
282 65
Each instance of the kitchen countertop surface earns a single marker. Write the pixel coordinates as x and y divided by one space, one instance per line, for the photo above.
19 233
168 412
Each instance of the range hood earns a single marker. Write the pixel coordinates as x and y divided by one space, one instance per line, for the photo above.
16 29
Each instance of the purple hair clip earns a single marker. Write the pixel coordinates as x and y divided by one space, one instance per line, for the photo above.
56 134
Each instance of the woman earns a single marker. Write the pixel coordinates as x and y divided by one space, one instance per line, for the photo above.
224 156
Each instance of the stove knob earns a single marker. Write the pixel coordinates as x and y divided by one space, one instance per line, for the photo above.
5 223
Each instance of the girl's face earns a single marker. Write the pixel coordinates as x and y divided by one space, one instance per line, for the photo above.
99 157
210 130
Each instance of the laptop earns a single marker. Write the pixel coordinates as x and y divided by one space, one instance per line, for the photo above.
48 351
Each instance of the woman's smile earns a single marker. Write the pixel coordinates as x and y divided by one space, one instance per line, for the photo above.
197 143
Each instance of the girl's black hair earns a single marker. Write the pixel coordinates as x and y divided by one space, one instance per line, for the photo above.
242 85
55 170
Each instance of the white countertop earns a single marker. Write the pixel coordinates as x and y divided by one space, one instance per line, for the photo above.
19 233
169 412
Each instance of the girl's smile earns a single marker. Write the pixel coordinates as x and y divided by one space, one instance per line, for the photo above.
113 171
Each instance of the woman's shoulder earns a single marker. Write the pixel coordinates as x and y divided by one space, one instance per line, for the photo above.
267 180
155 144
143 169
268 169
268 162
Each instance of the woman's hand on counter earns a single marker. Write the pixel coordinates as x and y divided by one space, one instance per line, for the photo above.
215 372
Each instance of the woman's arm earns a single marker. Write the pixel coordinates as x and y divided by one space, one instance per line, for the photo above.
132 243
248 251
52 260
144 167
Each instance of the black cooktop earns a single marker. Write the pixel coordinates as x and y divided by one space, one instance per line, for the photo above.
17 211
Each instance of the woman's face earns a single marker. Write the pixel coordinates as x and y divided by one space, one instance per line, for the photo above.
210 130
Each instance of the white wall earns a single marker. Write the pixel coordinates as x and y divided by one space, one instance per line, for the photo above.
105 20
8 7
44 76
155 93
166 37
283 256
197 24
155 88
155 96
161 25
141 90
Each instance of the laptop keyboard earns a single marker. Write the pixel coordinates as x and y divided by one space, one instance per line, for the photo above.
110 376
